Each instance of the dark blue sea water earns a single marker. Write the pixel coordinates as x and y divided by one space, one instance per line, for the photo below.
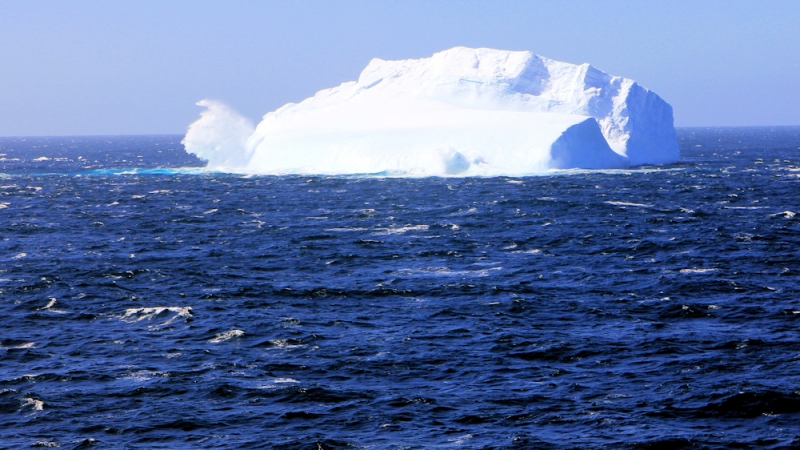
147 305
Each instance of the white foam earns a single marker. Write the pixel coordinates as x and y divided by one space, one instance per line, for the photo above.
401 230
282 343
636 205
697 270
276 382
144 375
49 307
34 403
345 229
285 380
23 345
531 252
227 335
447 272
132 315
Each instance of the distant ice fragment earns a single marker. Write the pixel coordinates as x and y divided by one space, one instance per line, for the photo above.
461 112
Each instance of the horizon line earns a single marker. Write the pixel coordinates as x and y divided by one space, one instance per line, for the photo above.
183 134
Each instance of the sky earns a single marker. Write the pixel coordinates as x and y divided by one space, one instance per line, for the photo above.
97 67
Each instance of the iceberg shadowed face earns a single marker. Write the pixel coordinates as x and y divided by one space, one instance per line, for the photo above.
461 112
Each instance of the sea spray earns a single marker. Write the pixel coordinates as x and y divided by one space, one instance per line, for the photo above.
219 136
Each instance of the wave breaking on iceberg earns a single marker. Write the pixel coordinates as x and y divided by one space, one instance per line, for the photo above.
461 112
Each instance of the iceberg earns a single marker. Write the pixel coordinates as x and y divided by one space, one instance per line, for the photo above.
460 112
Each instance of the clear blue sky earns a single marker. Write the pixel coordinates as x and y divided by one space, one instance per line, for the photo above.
137 67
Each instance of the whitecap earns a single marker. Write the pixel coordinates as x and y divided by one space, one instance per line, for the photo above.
285 380
282 343
637 205
144 375
49 307
275 382
34 403
22 345
697 270
225 336
530 252
132 315
401 230
460 439
19 255
447 272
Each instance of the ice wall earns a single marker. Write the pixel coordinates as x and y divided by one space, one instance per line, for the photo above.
462 111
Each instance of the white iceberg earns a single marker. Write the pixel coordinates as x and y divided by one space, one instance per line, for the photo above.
460 112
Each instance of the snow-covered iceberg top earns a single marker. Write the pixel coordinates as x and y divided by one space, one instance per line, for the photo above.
461 112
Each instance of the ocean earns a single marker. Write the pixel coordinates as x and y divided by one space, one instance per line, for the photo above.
146 303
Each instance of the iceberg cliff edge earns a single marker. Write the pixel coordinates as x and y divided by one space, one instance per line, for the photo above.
461 112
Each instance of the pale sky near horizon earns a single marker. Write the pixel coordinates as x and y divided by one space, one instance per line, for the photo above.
83 67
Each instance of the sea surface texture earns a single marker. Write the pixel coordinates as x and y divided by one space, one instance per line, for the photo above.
147 304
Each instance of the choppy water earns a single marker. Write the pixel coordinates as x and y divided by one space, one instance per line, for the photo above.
144 306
